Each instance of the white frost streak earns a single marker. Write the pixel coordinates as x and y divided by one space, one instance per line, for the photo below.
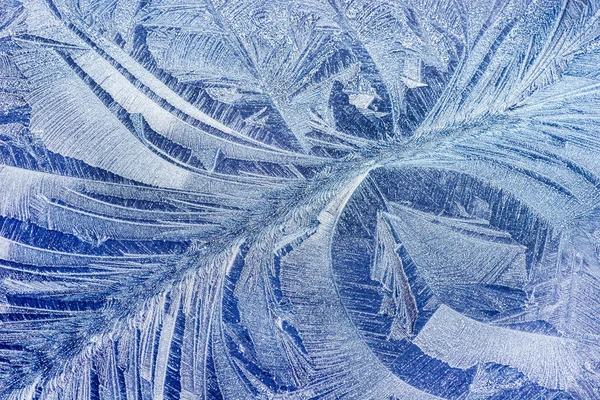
164 345
162 121
72 121
462 342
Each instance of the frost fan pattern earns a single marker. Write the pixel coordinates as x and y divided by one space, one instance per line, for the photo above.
308 199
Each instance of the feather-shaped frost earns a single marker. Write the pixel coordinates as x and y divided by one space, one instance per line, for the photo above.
240 199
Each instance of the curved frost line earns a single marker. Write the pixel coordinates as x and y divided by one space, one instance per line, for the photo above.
554 362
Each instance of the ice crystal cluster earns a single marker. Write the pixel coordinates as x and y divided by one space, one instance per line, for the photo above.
299 199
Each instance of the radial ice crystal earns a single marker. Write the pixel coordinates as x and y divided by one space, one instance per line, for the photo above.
299 199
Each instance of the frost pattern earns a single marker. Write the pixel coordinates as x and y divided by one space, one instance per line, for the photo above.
276 199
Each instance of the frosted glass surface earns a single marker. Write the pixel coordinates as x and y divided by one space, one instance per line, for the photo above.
299 199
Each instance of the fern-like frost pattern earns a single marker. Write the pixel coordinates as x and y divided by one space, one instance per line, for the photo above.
311 199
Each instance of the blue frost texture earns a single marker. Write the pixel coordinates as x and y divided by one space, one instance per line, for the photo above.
299 199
